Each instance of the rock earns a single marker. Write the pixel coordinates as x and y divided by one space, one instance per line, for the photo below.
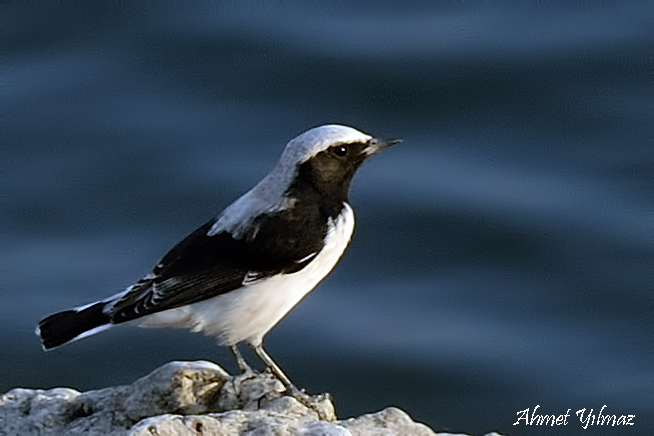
188 398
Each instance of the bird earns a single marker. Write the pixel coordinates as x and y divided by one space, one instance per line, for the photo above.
238 275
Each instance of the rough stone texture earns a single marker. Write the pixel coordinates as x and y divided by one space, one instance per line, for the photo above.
188 398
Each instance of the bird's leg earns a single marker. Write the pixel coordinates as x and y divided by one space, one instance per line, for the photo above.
272 366
240 361
314 403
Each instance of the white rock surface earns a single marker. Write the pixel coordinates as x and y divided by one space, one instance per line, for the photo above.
188 398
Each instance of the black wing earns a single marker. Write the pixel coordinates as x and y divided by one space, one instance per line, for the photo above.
201 267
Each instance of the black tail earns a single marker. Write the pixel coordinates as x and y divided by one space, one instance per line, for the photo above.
65 326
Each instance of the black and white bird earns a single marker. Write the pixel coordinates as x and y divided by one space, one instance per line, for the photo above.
238 275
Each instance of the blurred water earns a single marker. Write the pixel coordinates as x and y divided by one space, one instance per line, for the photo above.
504 252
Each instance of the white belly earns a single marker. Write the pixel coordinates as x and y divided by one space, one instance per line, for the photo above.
248 313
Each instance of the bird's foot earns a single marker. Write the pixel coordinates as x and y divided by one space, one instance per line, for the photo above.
321 404
247 373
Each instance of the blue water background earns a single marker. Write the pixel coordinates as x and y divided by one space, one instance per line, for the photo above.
504 252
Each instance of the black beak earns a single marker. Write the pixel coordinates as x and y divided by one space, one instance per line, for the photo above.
376 145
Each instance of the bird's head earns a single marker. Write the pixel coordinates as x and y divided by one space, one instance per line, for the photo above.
316 166
327 157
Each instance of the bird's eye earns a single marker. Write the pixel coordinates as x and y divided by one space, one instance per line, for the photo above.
340 150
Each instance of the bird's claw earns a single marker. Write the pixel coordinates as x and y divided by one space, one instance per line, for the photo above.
321 404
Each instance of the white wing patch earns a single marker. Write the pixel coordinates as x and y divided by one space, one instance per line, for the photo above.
250 277
305 258
253 276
